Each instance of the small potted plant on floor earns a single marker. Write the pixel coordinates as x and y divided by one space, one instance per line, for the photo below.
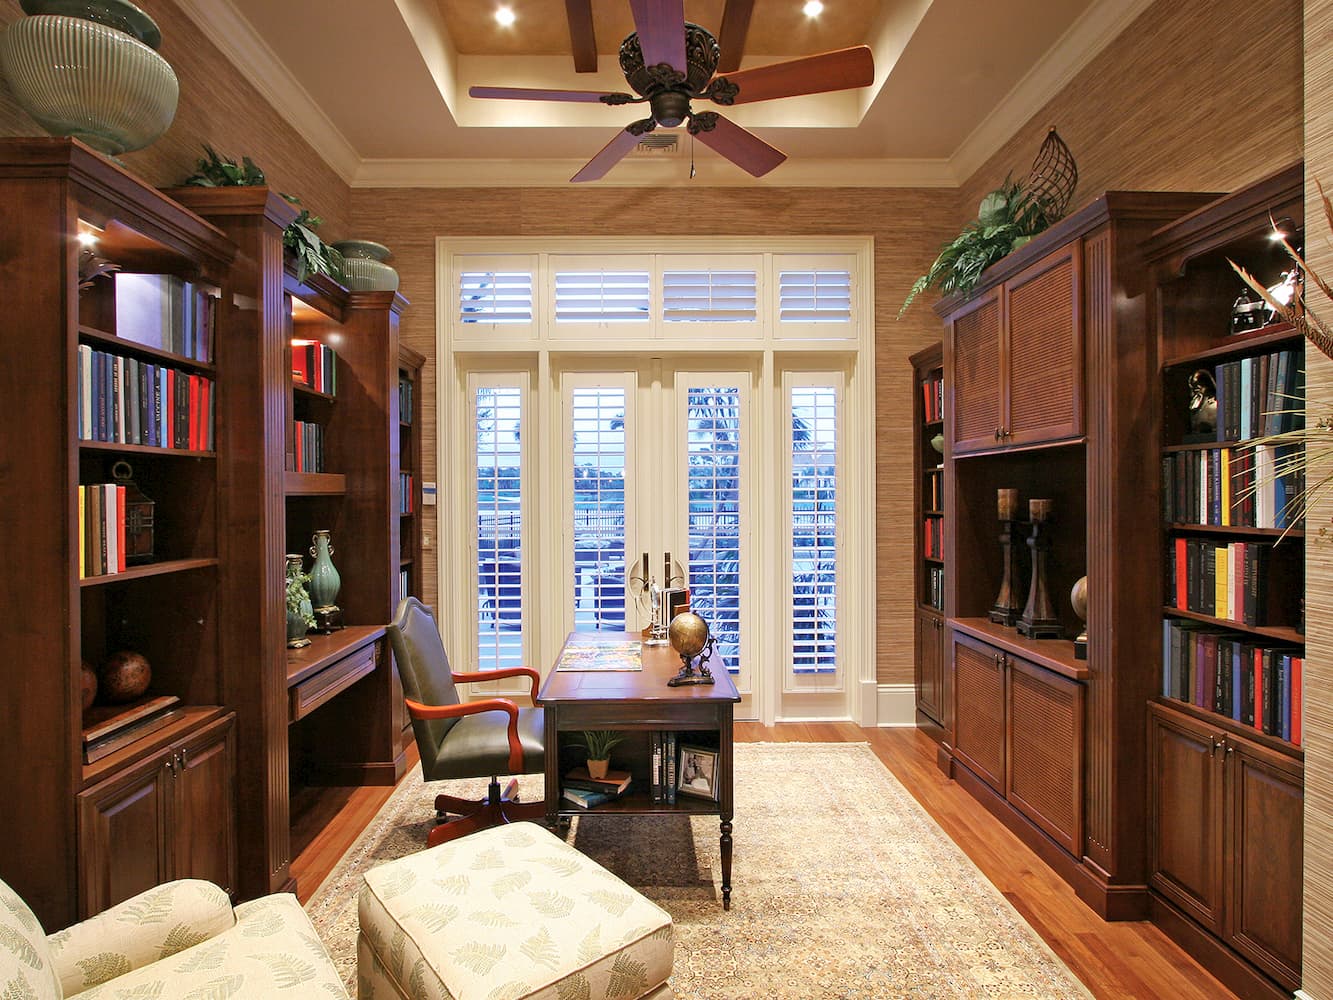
599 743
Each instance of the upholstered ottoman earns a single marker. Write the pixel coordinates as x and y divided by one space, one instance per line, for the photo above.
508 913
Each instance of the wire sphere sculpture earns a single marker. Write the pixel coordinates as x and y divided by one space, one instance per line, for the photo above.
1053 177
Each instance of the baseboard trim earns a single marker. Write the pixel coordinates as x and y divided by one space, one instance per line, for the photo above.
896 705
371 773
1225 965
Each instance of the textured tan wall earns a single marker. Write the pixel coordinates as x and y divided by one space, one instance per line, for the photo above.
219 107
1318 979
1196 96
906 224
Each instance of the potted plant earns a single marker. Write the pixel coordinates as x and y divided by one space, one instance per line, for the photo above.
599 743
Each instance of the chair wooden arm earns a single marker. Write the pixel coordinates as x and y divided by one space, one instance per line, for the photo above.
490 675
419 711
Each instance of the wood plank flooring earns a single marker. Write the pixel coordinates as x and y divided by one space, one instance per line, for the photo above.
1114 960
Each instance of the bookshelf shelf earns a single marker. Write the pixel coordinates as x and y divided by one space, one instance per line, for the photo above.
151 569
1239 728
1242 532
314 484
641 803
1272 336
1283 633
144 449
120 345
301 389
1056 655
192 718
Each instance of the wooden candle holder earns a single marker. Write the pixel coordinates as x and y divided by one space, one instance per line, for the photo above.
1039 620
1006 609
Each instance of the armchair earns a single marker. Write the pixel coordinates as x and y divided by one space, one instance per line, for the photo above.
458 739
178 939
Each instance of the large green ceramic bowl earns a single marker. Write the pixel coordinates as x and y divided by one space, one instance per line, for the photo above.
364 269
119 14
79 78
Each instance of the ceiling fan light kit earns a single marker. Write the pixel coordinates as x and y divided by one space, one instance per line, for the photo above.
669 62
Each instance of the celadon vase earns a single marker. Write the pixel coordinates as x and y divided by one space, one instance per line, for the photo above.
89 69
324 579
364 269
299 611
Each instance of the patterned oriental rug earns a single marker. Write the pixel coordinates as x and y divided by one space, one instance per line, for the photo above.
867 900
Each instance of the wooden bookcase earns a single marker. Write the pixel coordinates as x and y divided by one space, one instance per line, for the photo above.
928 516
80 836
409 495
1226 799
1047 364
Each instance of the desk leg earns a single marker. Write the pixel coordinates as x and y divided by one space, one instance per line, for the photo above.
549 731
726 864
726 798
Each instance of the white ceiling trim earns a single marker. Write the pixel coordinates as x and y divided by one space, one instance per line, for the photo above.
651 171
247 50
1098 26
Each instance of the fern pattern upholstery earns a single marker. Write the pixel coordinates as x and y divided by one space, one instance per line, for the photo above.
508 913
178 941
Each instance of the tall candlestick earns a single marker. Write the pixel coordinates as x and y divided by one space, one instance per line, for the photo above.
645 568
1008 504
1039 510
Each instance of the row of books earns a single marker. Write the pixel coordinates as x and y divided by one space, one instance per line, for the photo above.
404 583
1260 396
935 586
582 790
308 445
127 401
167 313
405 390
102 526
1221 579
933 494
932 392
407 496
932 534
1255 685
315 365
1233 487
663 747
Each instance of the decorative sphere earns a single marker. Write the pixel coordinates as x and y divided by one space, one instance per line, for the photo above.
1078 597
89 680
688 634
937 442
125 676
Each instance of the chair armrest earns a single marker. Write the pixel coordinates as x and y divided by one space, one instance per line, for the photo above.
144 929
419 711
491 675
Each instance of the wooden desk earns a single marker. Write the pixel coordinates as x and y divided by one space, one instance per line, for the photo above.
640 701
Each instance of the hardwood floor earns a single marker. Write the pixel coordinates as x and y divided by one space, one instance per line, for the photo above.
1114 960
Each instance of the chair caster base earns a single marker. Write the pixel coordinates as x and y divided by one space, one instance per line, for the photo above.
498 807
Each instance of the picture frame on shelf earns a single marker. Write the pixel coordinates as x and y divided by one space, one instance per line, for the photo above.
697 774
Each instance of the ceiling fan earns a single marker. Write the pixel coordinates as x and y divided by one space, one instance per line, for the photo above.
669 62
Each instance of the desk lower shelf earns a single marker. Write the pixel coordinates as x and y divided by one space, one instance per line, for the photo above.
642 804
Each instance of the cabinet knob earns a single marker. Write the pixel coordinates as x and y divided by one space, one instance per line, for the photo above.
997 434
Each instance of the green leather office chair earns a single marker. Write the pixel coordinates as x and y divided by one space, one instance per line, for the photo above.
465 739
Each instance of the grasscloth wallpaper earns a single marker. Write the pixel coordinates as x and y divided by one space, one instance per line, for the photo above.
220 107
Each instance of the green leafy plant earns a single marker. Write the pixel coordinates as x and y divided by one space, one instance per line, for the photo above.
298 599
1007 219
312 255
600 742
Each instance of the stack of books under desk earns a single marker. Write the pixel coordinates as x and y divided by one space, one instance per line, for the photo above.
582 790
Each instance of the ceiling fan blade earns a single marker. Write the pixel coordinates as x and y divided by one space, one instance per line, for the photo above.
612 153
731 40
842 69
741 146
661 28
531 94
582 41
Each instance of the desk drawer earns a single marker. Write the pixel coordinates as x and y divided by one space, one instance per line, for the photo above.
334 679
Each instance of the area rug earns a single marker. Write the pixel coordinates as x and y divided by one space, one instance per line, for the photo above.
842 887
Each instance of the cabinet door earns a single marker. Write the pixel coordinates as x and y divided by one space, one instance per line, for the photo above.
1045 764
1185 814
979 721
1264 858
1044 370
973 376
929 665
204 817
123 835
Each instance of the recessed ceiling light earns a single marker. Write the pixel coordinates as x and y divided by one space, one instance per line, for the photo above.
504 16
813 8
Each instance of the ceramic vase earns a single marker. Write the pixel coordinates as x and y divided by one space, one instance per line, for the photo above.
324 578
364 269
299 611
89 69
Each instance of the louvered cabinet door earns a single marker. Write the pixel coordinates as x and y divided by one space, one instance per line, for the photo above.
930 665
972 375
1045 766
979 721
1044 368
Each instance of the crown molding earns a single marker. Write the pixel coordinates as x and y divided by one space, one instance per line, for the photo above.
247 50
1098 26
651 171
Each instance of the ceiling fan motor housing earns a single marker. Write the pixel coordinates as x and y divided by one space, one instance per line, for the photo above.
664 86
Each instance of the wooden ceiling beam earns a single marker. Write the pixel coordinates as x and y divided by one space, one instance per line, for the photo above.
735 26
582 41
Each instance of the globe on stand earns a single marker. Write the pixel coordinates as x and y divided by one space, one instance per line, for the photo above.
689 637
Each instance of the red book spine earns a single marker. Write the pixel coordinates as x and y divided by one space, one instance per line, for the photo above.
1182 573
1259 690
205 401
300 364
1297 664
171 409
120 529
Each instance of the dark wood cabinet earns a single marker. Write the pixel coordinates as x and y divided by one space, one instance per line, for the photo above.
930 664
168 816
1050 377
928 447
1225 832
